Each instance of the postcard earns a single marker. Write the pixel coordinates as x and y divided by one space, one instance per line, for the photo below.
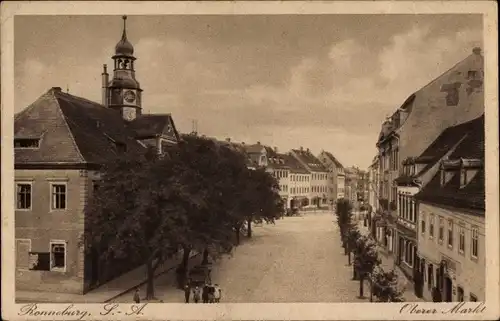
253 160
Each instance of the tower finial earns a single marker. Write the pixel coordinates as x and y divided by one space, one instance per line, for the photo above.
124 36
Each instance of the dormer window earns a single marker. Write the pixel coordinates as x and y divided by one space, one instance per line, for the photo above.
26 143
472 74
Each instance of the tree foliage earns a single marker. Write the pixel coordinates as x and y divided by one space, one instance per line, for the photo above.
385 286
365 259
195 197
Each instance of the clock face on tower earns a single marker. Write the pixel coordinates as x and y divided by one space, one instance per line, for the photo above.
129 96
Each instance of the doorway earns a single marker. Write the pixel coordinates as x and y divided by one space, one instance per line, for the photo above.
448 295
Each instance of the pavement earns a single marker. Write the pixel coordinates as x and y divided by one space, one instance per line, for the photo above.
297 259
118 287
389 264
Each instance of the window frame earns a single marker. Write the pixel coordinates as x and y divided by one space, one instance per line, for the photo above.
431 226
52 184
58 242
422 225
441 230
23 182
461 236
476 229
450 233
29 251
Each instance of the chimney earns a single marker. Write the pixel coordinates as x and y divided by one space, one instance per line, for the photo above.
258 143
307 150
57 89
476 50
105 81
242 143
228 140
275 149
301 148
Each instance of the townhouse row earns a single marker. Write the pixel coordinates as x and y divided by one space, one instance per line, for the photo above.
427 185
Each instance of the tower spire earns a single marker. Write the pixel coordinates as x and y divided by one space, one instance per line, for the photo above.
124 34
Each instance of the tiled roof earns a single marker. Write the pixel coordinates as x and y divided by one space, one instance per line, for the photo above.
74 130
333 159
309 160
447 140
451 194
152 125
295 165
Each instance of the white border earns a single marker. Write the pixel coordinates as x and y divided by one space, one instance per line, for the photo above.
268 311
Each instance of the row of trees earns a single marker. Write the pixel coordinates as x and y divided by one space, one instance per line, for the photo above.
197 197
365 260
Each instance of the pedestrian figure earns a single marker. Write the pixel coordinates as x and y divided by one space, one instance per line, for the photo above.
211 294
196 294
137 298
187 292
204 295
217 293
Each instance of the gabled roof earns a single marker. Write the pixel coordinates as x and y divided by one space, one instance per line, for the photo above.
472 195
72 130
154 125
308 160
449 138
333 159
295 166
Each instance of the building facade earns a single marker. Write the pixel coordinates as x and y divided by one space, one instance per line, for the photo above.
336 176
453 98
451 235
319 176
60 142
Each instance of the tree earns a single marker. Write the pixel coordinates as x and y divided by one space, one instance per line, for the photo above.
365 259
344 221
139 213
263 202
353 235
385 286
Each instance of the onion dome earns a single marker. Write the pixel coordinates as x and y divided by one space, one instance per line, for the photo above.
124 47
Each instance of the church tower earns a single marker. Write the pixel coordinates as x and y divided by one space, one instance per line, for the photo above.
123 91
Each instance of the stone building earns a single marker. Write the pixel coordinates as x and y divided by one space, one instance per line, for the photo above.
451 234
318 191
453 98
336 176
60 143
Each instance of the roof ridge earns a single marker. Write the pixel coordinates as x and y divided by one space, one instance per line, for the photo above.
67 95
72 137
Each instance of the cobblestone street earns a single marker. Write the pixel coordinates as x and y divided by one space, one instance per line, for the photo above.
299 259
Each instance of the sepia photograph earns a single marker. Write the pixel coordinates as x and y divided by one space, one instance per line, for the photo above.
212 158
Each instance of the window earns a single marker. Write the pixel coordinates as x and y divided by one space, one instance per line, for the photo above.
23 248
441 229
58 256
473 298
461 239
26 143
23 196
431 226
475 242
58 196
450 233
460 294
471 74
422 229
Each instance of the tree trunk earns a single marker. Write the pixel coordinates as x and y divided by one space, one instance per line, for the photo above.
348 257
205 256
150 291
185 258
249 228
361 285
237 236
371 288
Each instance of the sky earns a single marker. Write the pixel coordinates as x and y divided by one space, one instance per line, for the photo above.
323 82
